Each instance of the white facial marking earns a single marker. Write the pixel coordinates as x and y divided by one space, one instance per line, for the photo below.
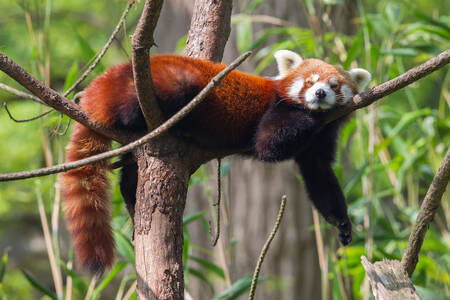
333 80
314 102
347 93
295 89
314 77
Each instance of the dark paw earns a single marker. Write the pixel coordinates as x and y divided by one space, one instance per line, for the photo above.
345 232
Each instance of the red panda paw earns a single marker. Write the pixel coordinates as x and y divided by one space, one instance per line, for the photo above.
345 232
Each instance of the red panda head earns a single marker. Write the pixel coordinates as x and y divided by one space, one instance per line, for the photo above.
316 84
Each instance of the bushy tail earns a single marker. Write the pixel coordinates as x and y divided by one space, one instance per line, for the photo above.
86 202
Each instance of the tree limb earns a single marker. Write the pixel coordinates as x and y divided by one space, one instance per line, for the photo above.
389 280
155 133
371 95
428 209
141 43
57 101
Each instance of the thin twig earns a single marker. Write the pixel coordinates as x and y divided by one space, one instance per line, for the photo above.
125 149
428 209
264 250
25 120
103 51
20 93
217 205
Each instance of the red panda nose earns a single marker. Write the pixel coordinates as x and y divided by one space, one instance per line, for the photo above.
320 93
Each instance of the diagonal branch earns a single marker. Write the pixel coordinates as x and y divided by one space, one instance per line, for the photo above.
55 100
141 43
371 95
427 211
155 133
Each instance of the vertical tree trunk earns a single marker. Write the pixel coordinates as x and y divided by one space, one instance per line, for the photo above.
161 197
163 177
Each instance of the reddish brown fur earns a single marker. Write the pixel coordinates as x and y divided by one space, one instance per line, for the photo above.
231 113
86 203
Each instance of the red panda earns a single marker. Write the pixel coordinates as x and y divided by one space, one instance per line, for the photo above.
277 117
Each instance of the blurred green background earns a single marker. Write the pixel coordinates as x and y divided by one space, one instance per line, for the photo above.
387 155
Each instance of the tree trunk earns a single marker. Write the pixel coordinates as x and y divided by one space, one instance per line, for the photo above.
161 197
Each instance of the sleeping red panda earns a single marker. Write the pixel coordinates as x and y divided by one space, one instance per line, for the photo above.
277 117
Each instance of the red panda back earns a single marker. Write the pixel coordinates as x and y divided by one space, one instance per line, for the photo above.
228 116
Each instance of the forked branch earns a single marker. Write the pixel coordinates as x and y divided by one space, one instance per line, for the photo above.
125 149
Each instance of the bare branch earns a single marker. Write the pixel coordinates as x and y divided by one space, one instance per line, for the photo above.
210 28
265 248
427 211
141 43
57 101
103 51
388 87
25 120
20 93
155 133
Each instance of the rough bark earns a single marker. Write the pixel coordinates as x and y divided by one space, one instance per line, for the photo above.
161 197
210 28
141 43
389 280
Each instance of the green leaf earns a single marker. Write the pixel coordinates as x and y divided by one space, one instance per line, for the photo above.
124 246
77 280
39 286
71 77
401 52
209 266
87 52
118 267
355 49
3 265
244 32
181 44
202 277
237 288
195 216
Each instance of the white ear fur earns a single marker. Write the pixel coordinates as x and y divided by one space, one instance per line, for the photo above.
286 60
361 77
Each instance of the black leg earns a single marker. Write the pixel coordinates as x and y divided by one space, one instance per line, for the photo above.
283 131
321 183
128 185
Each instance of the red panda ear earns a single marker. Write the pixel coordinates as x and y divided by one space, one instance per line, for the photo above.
286 60
361 78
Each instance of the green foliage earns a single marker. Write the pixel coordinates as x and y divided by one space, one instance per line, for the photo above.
411 132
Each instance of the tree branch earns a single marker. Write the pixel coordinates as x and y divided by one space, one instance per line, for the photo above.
57 101
155 133
389 280
141 43
427 211
20 93
371 95
209 30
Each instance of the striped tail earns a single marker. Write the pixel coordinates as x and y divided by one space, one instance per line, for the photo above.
86 202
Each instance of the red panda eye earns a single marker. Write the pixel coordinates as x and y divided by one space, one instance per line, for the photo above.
333 86
310 82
